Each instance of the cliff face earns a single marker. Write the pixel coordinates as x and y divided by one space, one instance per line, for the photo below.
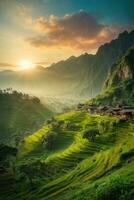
106 56
125 73
122 70
119 86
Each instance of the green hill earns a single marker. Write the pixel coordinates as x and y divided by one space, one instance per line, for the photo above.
73 167
119 86
19 115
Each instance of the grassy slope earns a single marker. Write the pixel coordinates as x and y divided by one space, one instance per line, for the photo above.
20 114
83 168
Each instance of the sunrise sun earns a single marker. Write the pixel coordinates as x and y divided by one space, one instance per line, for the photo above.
26 64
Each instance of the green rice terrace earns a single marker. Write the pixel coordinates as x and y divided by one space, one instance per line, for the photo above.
62 161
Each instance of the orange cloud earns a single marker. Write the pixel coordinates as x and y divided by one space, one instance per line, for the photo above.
78 31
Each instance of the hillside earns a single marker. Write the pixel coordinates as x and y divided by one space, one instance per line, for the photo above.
119 86
81 76
75 155
107 55
19 114
99 168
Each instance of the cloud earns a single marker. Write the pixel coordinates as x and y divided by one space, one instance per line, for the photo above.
78 31
6 66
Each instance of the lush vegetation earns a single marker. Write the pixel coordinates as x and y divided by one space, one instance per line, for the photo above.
19 115
119 86
71 166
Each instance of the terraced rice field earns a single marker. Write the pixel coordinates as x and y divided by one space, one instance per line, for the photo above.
80 163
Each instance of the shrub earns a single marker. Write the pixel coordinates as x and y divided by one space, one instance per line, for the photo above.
127 155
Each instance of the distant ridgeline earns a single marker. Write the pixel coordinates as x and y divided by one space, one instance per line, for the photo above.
20 114
119 86
81 76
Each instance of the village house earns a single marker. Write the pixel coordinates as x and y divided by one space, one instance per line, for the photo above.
127 111
80 106
92 108
124 111
103 109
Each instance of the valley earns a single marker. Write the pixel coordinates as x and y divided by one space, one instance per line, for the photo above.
67 131
81 77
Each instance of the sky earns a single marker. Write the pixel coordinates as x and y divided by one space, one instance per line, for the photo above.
46 31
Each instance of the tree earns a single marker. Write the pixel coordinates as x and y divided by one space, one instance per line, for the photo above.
6 151
36 100
68 125
49 140
91 134
30 171
54 125
7 156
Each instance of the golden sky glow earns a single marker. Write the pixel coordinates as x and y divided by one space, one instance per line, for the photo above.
45 32
26 64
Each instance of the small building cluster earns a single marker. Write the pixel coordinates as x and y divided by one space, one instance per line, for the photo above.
122 111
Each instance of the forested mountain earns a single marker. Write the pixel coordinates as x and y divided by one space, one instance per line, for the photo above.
119 86
81 76
108 54
19 115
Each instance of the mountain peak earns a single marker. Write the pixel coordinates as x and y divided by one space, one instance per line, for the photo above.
71 58
7 71
40 67
124 33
